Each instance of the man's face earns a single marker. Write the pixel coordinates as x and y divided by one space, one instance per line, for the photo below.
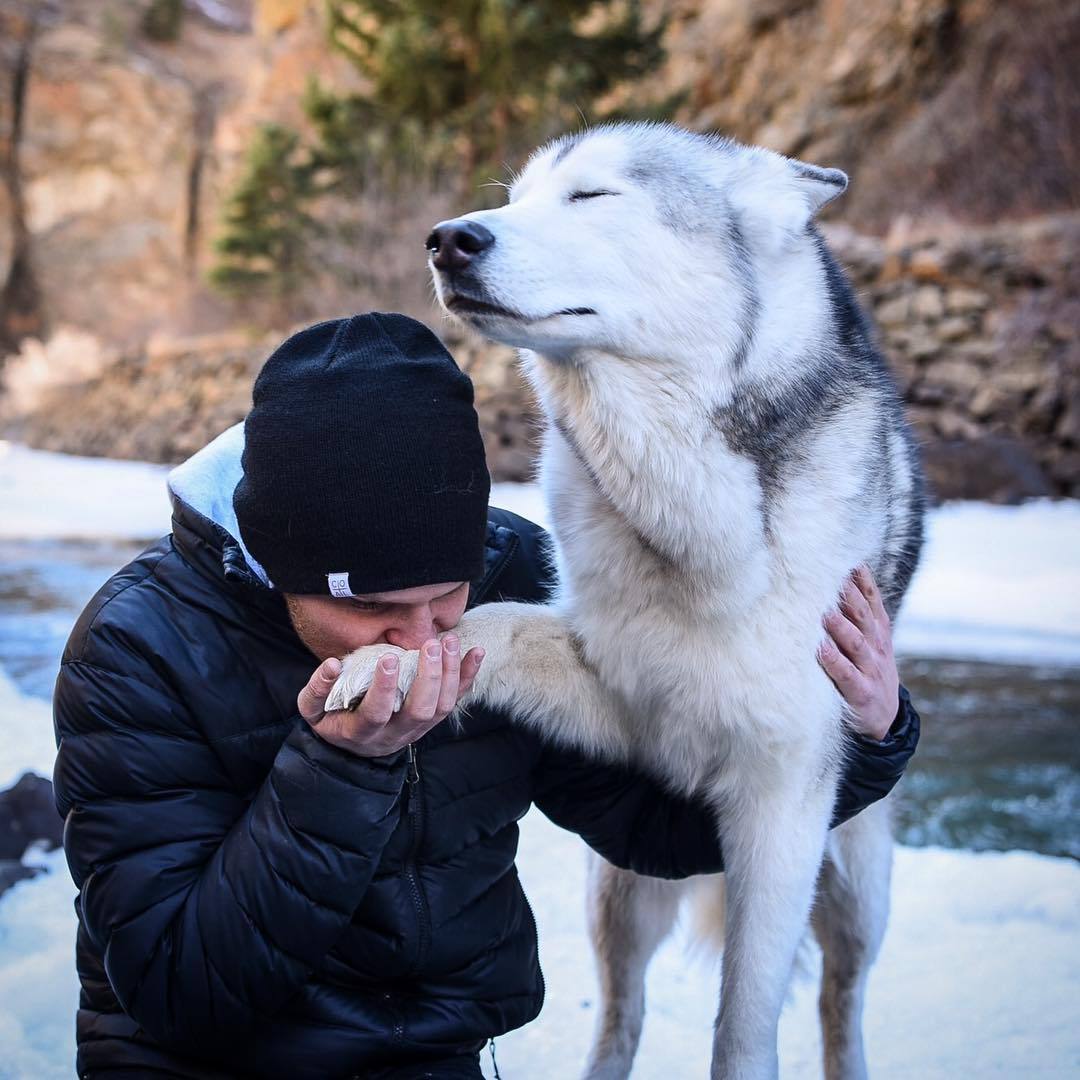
333 626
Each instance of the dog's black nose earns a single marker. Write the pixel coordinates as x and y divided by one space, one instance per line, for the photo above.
454 244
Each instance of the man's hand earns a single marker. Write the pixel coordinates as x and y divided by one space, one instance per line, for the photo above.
373 729
857 654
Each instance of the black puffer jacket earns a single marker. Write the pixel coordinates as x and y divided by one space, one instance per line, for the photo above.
255 899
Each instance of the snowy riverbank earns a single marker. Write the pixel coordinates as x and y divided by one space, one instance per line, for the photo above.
979 972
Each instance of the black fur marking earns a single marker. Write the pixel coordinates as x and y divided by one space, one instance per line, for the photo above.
771 427
565 147
751 311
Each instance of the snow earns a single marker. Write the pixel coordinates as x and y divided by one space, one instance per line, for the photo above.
61 497
977 977
39 987
997 583
26 734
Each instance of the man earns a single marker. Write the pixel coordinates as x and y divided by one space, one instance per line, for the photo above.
266 890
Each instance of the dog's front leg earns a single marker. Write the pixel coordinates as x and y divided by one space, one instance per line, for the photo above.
535 670
773 847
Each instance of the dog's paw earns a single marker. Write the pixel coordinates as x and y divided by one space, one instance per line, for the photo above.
358 673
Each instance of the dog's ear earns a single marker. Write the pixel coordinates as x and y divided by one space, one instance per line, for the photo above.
775 196
821 185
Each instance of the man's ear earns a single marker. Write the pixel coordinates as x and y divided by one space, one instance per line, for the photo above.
775 197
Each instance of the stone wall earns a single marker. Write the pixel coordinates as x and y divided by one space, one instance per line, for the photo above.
164 402
982 328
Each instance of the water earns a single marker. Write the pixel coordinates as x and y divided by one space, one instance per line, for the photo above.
44 585
998 766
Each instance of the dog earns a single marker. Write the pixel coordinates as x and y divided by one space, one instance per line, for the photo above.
724 445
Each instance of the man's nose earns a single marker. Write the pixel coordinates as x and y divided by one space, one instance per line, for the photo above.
414 629
456 243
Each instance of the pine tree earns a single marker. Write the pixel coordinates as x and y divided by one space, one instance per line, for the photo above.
471 83
163 19
456 88
267 220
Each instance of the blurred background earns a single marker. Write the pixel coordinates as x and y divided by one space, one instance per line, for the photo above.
184 182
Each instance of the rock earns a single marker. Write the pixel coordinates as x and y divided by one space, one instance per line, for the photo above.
977 350
28 814
922 345
953 425
897 94
927 265
895 312
12 872
961 301
999 470
927 303
953 328
957 377
1063 467
990 400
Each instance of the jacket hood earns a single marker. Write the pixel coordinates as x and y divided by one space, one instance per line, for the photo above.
206 482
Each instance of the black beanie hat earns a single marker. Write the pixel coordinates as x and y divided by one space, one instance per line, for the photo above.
363 465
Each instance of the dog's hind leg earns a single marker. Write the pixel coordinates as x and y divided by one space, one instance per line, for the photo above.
849 921
629 916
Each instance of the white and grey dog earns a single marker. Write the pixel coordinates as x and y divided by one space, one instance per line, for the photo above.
725 445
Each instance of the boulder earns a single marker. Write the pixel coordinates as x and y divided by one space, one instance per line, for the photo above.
27 815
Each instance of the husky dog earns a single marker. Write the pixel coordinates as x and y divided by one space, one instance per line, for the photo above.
725 445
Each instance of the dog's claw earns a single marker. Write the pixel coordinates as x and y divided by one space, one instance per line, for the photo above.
358 673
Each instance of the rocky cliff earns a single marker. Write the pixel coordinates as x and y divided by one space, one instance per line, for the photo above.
964 110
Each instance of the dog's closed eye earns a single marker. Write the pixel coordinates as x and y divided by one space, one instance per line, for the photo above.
579 196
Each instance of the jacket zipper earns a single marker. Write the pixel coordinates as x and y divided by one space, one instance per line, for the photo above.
414 809
536 935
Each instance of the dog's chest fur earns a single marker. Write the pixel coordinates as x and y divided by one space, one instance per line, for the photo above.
694 579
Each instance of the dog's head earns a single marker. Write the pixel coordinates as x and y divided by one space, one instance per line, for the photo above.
615 239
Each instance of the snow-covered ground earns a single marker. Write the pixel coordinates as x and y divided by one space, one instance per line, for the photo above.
978 976
981 967
61 497
26 734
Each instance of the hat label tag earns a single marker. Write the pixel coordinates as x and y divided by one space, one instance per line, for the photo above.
339 584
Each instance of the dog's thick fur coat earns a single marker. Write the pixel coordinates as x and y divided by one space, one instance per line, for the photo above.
725 445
